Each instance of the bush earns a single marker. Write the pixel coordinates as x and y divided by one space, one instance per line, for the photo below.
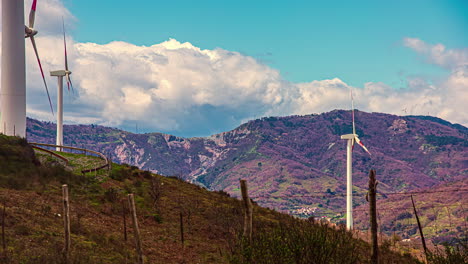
111 195
404 215
121 173
298 242
223 193
451 254
21 170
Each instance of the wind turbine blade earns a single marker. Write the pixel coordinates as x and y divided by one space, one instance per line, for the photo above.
33 42
352 110
362 145
65 45
32 14
69 83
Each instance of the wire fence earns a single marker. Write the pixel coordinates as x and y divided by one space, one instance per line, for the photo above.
440 219
320 194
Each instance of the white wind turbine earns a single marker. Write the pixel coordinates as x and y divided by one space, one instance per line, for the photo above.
60 74
349 168
13 92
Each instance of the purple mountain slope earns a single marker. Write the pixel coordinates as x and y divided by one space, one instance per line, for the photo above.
294 163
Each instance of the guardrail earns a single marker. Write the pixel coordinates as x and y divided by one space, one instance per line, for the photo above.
51 153
102 156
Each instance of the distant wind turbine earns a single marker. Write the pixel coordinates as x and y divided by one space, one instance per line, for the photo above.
13 92
60 74
349 168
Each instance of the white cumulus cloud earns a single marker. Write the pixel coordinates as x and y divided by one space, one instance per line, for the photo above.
179 88
438 54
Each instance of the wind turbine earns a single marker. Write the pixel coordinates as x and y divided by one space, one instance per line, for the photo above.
13 92
60 74
349 168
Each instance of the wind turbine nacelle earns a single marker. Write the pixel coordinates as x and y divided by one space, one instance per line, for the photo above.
58 73
349 136
29 32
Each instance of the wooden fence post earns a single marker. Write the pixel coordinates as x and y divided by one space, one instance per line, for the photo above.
3 233
373 217
109 161
124 221
247 210
66 222
136 230
181 228
420 228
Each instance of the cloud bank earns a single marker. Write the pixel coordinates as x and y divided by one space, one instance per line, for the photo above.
179 88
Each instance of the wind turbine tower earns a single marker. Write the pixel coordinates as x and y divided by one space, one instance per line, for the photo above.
60 74
13 90
349 168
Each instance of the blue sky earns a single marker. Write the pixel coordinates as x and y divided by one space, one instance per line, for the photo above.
196 68
357 41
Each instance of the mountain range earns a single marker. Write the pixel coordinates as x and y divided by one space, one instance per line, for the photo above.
298 163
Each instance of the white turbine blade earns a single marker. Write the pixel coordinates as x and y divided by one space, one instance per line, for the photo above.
69 83
33 42
32 14
362 145
65 46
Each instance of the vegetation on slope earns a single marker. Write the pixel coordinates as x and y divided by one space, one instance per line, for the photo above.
31 193
20 169
296 164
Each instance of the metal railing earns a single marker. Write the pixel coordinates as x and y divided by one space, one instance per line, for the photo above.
99 154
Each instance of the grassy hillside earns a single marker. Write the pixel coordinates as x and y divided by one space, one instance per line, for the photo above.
30 189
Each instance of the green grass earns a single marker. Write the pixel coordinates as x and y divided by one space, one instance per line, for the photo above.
212 220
